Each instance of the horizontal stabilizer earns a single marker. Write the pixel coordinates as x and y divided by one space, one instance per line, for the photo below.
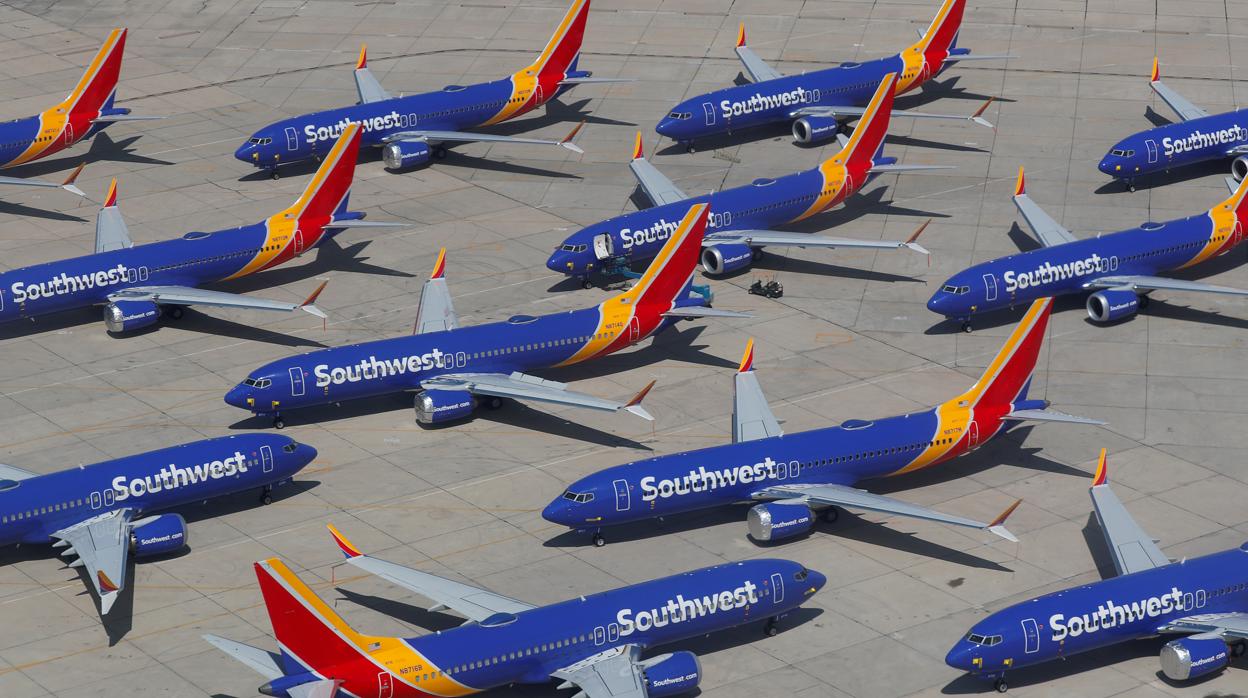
883 169
365 224
1051 416
593 81
260 661
124 117
694 311
969 57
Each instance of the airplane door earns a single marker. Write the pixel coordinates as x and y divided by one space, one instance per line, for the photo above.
600 635
96 503
621 495
296 382
69 133
1031 636
292 139
973 438
777 589
1152 150
990 287
299 240
634 329
266 459
709 110
604 248
537 94
385 684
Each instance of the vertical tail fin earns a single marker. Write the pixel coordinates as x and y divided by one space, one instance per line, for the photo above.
1237 203
331 185
868 137
561 52
941 34
98 84
670 271
312 636
1009 374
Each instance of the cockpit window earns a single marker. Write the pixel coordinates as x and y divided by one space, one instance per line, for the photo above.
984 640
259 141
290 447
257 382
801 575
680 115
956 290
250 383
1122 153
579 497
574 248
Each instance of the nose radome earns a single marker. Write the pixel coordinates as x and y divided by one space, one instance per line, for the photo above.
555 512
237 396
959 657
557 262
816 579
664 127
937 302
244 152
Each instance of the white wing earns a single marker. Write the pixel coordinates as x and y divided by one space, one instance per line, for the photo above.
422 136
751 415
367 86
189 295
260 661
615 673
1161 283
102 544
521 386
847 111
1047 415
1132 548
1047 230
655 184
774 238
842 496
324 688
755 67
111 232
1228 625
1181 106
12 472
67 185
437 310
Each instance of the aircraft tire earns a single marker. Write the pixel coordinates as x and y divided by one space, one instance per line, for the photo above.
771 629
176 312
586 284
831 514
966 327
1001 685
266 498
279 423
599 541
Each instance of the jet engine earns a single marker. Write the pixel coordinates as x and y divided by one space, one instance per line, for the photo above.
725 259
1113 304
779 520
401 155
438 406
1239 168
671 674
1194 656
158 535
127 316
815 129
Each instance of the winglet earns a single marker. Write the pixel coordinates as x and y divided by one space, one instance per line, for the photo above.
1102 471
106 585
910 241
1020 187
348 549
1156 71
747 359
111 199
308 303
68 184
998 524
439 267
639 149
978 118
362 63
741 35
634 405
567 140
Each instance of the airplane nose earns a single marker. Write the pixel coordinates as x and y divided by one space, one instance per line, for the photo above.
244 152
816 580
960 657
306 454
237 397
937 303
557 512
1105 167
558 262
665 127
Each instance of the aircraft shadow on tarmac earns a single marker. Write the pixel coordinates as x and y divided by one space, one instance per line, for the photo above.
103 149
673 343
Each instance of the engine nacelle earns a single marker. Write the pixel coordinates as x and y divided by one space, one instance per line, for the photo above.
1113 304
158 535
127 316
438 406
671 674
1239 168
401 155
725 259
814 129
1192 657
778 520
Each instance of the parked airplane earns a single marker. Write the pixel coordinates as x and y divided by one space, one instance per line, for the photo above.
795 475
134 282
1204 599
101 513
818 101
742 216
85 112
410 130
593 643
449 367
1198 137
1119 269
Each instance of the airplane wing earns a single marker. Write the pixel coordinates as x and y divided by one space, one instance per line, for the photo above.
704 311
1161 283
263 662
751 415
755 67
466 137
67 185
14 473
615 673
849 497
655 184
101 544
845 111
189 295
471 602
1132 548
437 311
1181 106
521 386
1047 415
365 84
1049 231
111 232
1227 625
774 238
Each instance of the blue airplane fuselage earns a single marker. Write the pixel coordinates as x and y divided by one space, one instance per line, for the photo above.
1177 145
1108 612
34 508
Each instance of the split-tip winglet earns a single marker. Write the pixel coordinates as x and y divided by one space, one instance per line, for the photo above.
747 359
567 140
910 241
978 116
639 149
634 405
998 524
111 199
1102 471
68 184
439 267
1156 71
309 304
741 35
362 63
345 545
1020 187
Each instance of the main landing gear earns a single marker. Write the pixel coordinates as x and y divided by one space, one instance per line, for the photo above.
439 152
175 312
830 515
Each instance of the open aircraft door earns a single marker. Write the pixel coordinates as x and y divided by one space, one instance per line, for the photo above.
604 247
